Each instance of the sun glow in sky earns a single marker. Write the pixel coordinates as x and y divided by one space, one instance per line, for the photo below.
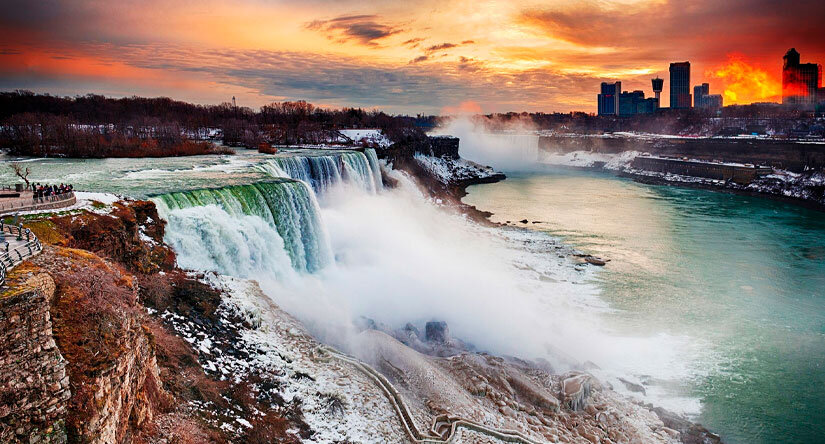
410 57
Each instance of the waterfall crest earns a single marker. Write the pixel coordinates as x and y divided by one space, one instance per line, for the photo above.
324 171
245 228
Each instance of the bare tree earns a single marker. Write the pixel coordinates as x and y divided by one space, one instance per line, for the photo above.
21 172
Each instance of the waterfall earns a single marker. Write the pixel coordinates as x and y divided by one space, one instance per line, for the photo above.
372 158
324 171
262 227
508 151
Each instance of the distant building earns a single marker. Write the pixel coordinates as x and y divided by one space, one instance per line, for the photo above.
702 98
609 99
658 85
632 103
801 82
680 85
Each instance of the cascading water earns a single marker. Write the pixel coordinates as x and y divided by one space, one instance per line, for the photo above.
372 158
511 151
324 172
413 263
262 227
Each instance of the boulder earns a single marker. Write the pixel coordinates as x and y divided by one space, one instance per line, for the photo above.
437 331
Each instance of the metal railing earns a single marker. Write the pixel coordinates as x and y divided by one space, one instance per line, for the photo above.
444 429
10 258
34 201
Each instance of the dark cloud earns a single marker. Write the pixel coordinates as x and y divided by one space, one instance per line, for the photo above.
419 59
413 43
440 47
361 28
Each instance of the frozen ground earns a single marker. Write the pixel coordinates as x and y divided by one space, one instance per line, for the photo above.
806 186
454 170
342 404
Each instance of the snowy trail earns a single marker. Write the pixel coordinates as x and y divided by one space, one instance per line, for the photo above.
446 435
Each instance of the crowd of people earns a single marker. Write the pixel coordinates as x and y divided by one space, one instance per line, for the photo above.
42 191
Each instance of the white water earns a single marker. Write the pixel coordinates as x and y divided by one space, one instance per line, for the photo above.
398 258
236 245
324 172
515 150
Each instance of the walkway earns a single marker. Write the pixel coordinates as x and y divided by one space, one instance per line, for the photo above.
26 201
22 244
444 427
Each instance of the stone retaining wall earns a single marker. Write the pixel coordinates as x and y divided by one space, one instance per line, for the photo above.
57 204
739 174
34 386
791 155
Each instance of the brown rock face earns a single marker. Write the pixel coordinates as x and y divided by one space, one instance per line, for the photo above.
111 363
117 236
34 386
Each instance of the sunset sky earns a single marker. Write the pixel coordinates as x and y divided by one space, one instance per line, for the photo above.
425 56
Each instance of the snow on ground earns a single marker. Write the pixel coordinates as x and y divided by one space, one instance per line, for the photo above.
779 182
451 170
371 136
105 198
589 159
85 201
338 402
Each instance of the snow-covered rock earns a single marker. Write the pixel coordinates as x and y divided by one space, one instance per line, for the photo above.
370 136
451 171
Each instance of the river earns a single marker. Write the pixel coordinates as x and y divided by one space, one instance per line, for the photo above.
740 281
712 302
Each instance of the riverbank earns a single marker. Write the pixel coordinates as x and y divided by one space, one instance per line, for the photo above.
730 284
806 188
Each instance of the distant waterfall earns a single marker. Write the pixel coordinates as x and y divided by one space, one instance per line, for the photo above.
325 171
263 227
507 151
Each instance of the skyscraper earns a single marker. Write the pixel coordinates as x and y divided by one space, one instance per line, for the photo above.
609 99
634 102
658 84
800 81
680 85
702 98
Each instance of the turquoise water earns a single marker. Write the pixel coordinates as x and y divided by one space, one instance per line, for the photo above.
742 276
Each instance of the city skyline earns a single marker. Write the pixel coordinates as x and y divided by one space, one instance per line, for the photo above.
434 58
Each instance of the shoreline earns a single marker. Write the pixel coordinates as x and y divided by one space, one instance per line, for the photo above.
766 187
660 181
690 431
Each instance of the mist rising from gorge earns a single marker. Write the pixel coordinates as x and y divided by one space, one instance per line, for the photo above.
507 146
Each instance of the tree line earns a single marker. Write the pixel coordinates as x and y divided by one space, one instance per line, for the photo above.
98 126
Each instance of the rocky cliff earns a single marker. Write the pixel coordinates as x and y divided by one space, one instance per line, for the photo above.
91 355
435 163
34 386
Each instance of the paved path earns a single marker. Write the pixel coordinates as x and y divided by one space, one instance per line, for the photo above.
443 430
19 250
26 202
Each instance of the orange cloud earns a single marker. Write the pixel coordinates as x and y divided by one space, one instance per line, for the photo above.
745 83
